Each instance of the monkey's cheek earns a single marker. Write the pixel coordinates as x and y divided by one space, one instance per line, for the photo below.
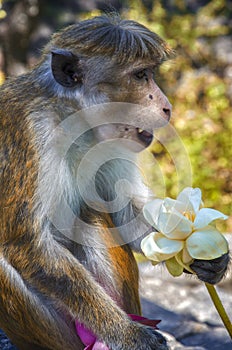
105 132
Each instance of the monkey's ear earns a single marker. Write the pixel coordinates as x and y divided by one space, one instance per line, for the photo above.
66 68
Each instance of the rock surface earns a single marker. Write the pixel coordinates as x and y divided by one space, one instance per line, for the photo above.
5 343
189 319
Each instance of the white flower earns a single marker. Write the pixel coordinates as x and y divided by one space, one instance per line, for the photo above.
184 232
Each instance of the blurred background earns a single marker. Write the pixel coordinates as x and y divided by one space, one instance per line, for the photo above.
198 81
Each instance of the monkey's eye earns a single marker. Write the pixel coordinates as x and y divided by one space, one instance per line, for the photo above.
141 74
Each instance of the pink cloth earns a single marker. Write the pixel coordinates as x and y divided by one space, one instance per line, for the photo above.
90 340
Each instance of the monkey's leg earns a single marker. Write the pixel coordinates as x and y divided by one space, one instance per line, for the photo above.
62 277
28 318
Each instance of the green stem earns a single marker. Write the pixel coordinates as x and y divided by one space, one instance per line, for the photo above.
220 308
215 299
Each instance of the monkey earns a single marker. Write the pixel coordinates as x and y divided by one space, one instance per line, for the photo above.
49 277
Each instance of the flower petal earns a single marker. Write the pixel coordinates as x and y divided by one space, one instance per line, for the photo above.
86 336
186 258
206 215
98 345
143 320
151 211
173 267
172 205
174 226
206 244
191 197
157 247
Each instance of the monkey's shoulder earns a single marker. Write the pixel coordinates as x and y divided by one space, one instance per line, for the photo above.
22 97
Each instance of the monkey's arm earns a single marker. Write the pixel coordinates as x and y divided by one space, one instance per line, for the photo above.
211 271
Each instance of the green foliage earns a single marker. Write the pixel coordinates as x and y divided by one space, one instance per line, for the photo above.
198 87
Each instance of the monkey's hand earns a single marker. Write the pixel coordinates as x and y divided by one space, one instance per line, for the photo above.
139 337
211 271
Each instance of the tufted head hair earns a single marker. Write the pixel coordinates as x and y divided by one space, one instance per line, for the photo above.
109 35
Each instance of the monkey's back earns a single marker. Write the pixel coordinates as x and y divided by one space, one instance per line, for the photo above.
18 165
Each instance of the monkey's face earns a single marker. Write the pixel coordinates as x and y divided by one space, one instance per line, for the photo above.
143 106
138 106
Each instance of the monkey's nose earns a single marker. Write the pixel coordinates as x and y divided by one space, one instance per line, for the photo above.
167 113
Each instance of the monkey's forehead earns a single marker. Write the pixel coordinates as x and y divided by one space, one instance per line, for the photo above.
110 36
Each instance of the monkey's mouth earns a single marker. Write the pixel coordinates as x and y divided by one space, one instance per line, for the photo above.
144 136
126 132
